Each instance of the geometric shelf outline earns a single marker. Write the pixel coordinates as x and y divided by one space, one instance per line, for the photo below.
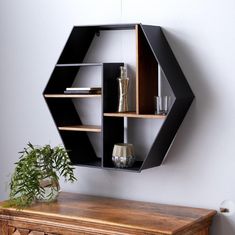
64 113
180 87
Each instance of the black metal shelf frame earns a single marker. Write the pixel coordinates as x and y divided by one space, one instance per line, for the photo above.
81 151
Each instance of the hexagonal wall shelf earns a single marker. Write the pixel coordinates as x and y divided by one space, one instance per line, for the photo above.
152 50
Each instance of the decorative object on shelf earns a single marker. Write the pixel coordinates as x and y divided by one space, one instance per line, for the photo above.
123 155
123 83
162 104
36 175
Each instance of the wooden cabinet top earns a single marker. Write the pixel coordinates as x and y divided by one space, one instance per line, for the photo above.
142 217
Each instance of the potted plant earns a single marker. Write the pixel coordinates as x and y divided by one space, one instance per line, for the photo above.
36 176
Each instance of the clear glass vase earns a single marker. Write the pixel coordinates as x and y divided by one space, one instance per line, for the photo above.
51 190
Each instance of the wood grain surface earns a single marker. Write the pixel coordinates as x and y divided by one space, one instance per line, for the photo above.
135 115
88 128
99 215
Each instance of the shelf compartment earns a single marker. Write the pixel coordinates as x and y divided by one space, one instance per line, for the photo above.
87 128
146 74
79 147
134 115
72 95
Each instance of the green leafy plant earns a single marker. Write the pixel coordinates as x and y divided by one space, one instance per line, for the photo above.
37 165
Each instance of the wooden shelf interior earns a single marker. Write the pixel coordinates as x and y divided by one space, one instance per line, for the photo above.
146 75
146 81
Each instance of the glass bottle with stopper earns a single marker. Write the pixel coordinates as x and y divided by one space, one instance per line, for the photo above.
123 83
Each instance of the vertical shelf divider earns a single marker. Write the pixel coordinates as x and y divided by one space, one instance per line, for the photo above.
137 68
112 127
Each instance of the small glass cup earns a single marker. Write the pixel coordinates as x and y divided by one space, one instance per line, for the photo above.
161 104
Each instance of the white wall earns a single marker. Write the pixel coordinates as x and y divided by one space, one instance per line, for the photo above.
199 168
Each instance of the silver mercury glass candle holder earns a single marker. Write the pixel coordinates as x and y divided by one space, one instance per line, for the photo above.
123 155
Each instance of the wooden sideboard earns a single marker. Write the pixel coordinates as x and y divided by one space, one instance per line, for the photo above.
91 215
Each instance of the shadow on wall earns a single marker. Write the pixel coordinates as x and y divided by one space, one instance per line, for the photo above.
197 79
223 225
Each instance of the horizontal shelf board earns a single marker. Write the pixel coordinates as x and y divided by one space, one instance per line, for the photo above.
135 168
111 27
134 115
72 95
79 65
117 27
95 163
88 128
